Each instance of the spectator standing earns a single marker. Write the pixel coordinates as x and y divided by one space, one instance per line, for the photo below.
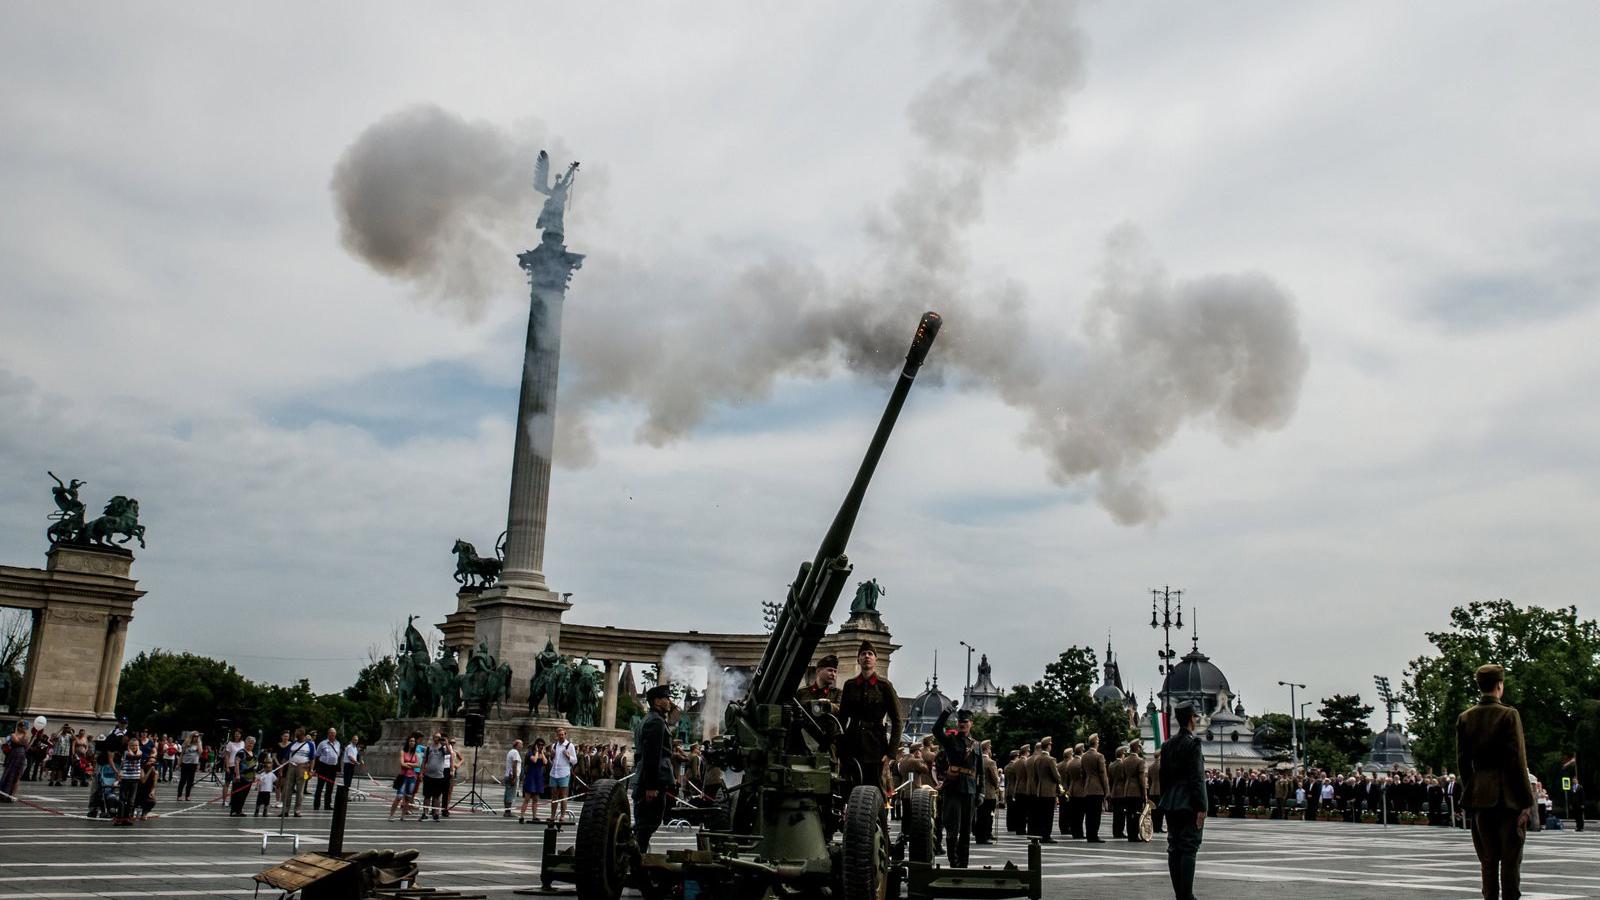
169 757
435 772
533 781
563 756
352 758
242 767
326 768
1494 772
14 752
301 750
405 782
38 750
128 776
61 756
452 765
82 769
188 765
230 754
513 775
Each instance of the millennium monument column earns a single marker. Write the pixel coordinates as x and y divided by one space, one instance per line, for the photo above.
520 613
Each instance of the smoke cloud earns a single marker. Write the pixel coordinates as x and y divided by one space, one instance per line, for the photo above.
693 665
1152 354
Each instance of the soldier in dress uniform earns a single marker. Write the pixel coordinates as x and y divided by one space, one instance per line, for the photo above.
1152 774
1076 793
1095 787
983 831
1494 773
1011 791
1046 785
1064 771
1025 789
961 784
869 710
1135 791
1118 793
653 761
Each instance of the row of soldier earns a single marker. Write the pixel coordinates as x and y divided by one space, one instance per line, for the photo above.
1073 791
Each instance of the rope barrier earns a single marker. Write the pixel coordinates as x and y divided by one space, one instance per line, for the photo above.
116 800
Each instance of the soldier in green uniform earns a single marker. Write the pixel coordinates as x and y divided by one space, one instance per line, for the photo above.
960 787
1493 761
652 755
869 711
1183 802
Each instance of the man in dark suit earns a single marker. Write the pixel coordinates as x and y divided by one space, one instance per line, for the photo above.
1096 785
1575 801
1494 772
1183 802
653 764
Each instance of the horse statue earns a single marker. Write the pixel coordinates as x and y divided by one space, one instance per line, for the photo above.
444 677
470 567
121 517
417 697
66 523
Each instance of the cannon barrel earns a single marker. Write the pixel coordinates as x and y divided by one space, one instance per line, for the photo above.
804 620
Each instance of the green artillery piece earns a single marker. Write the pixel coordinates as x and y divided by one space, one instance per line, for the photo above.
784 830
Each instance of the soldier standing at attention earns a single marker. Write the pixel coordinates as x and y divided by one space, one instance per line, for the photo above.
1046 785
1134 791
983 831
1064 776
1153 776
1023 791
652 756
1183 802
1075 785
869 710
1095 787
1494 772
1011 792
1118 794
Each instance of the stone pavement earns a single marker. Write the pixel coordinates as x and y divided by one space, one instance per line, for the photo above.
206 854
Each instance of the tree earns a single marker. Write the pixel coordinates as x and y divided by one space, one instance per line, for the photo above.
16 634
1272 730
372 697
1341 737
178 692
1552 662
1059 705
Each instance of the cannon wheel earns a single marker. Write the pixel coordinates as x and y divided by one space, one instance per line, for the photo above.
605 847
866 847
918 826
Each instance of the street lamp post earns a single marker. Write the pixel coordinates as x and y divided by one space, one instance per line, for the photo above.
1166 621
1294 744
966 693
1305 735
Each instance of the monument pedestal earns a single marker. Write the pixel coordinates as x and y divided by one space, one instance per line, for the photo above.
847 640
516 619
82 602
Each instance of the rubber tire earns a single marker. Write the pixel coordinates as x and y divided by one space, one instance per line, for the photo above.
605 851
918 826
866 847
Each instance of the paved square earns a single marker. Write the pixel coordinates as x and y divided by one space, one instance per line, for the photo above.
204 853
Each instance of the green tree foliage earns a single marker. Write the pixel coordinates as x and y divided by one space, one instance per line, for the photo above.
1341 737
1059 705
1273 731
1552 661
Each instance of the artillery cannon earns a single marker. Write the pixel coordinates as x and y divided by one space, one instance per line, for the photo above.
784 829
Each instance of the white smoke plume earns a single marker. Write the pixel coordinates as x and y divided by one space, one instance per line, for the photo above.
1152 355
693 665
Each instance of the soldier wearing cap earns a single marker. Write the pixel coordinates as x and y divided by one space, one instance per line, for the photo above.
1493 762
1046 785
1016 798
1183 801
869 711
652 761
1096 784
824 685
959 784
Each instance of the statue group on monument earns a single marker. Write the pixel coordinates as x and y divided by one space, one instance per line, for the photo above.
571 688
470 567
69 526
438 687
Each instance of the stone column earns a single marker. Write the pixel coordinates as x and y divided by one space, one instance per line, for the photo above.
519 614
111 665
608 707
549 268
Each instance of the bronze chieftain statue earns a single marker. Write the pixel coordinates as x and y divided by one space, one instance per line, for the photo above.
415 690
571 688
121 517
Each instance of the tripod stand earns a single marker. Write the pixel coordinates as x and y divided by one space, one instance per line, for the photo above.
473 799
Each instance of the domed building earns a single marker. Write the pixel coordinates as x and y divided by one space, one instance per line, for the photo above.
926 708
1195 680
983 697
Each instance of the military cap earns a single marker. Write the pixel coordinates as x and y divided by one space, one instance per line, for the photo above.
866 647
1489 676
657 692
964 715
1186 712
828 662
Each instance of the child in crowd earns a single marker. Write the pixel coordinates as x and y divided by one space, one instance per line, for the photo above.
103 797
264 782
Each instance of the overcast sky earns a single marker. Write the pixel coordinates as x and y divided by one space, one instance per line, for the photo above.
1413 186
